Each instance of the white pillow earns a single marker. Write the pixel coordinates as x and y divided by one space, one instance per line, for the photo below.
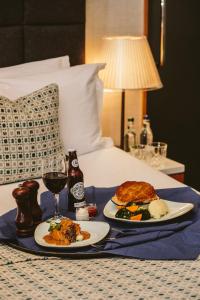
35 67
80 97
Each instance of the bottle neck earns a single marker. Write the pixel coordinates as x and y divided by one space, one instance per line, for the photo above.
73 161
147 122
144 126
130 126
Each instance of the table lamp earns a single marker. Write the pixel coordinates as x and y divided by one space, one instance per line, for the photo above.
129 66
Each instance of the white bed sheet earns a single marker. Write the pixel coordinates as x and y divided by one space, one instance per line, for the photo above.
103 168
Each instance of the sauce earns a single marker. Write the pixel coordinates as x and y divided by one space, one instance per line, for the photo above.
85 234
92 210
50 240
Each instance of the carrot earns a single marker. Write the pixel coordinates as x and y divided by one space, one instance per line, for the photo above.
136 218
132 208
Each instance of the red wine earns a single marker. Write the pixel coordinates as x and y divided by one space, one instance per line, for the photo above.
55 181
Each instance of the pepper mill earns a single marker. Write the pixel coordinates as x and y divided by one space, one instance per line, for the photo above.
24 219
35 208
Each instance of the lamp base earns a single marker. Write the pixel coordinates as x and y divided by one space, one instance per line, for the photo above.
122 119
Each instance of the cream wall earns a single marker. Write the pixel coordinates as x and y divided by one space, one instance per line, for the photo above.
114 17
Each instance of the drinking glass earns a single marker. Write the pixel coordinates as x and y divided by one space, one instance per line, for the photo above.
139 151
54 175
157 151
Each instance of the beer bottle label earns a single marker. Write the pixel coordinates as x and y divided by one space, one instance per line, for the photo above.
78 190
75 163
79 204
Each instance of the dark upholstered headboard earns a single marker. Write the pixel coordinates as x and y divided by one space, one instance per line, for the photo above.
38 29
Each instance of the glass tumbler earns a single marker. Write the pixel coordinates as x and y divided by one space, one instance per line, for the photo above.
139 151
157 152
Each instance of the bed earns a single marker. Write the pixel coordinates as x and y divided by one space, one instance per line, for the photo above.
38 30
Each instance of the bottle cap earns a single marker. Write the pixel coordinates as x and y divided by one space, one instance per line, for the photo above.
71 150
146 118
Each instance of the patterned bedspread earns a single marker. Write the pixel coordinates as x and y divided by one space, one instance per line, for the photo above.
27 276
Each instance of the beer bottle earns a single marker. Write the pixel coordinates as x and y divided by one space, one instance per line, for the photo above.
76 196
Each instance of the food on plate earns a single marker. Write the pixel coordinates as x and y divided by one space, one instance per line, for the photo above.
155 209
137 200
65 232
158 209
134 213
134 191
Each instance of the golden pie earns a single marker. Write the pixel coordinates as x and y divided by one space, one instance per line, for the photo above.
134 191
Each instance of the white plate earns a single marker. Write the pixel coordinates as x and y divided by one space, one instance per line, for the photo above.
176 209
97 230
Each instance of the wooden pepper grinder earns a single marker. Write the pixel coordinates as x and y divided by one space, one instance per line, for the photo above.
24 219
35 208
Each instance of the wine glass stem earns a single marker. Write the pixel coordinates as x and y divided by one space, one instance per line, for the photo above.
56 196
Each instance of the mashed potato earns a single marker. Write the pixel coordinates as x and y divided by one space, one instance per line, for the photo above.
157 209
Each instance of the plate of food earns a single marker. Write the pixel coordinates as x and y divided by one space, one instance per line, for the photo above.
66 233
136 201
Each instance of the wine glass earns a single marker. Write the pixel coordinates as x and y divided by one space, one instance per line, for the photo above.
54 175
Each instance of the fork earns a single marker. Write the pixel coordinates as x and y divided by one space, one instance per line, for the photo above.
101 243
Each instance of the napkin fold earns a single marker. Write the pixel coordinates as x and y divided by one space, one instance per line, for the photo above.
176 239
174 227
7 226
135 236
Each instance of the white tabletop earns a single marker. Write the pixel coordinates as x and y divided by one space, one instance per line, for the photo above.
170 166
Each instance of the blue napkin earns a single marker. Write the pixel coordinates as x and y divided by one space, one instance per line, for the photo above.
175 239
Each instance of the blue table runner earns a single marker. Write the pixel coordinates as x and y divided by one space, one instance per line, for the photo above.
175 239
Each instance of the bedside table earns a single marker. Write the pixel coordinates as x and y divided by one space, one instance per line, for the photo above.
173 169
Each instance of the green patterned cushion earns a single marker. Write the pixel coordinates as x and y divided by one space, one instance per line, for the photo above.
29 132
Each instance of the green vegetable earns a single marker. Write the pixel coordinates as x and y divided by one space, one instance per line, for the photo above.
123 213
53 226
145 213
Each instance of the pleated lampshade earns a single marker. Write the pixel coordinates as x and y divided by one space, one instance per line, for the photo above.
130 64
